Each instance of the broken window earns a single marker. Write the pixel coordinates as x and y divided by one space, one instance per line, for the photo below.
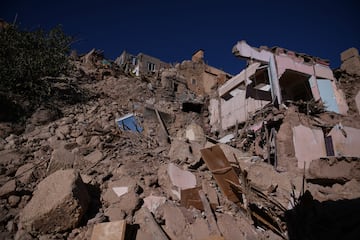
327 94
192 107
329 146
134 61
259 86
295 86
128 123
151 67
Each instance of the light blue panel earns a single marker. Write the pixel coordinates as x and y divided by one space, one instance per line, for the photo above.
129 123
327 95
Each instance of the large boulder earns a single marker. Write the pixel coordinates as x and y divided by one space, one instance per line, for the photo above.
61 158
58 203
121 198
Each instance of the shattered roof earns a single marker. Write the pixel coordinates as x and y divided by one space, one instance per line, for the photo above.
280 50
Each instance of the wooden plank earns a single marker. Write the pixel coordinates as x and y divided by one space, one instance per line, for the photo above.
213 227
190 197
161 122
109 231
221 169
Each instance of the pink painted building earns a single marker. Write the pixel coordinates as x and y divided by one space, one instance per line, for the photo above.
273 75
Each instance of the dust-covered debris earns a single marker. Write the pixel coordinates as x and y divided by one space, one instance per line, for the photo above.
58 203
179 174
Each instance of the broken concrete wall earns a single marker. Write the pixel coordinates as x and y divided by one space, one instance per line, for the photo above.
323 71
334 169
238 109
235 110
340 99
292 74
235 105
148 64
350 61
201 78
214 112
285 62
140 63
318 71
198 56
209 81
126 57
192 72
171 80
309 145
346 141
357 101
212 77
243 50
239 79
287 73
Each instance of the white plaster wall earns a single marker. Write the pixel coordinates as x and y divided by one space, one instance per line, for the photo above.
214 114
238 79
238 109
233 110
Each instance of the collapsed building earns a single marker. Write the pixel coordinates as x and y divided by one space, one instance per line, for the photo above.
140 64
350 61
201 77
140 161
195 75
278 77
273 76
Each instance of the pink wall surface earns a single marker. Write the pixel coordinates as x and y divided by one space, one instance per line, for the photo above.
323 72
238 109
348 145
238 79
284 62
244 50
309 145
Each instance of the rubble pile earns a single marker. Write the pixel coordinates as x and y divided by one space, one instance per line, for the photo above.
144 158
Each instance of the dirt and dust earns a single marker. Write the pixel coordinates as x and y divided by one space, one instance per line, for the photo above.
129 175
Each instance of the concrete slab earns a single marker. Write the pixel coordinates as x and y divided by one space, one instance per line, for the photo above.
309 145
109 231
221 169
181 178
346 141
357 101
153 202
119 191
195 133
349 53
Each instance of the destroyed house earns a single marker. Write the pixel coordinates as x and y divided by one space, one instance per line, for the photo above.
200 77
140 64
275 76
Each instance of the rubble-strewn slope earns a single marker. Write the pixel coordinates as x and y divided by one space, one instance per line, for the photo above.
146 178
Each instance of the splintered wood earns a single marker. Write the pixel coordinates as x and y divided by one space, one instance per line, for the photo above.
260 207
221 169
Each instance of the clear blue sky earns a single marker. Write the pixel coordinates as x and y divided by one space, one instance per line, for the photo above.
173 30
